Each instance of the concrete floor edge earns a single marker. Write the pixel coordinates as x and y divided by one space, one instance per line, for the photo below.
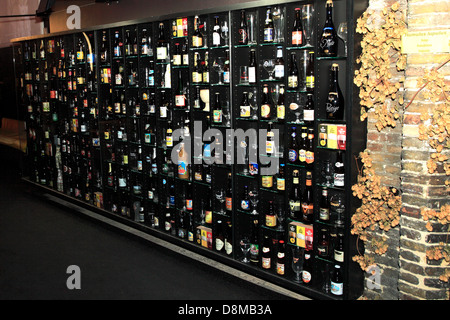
187 253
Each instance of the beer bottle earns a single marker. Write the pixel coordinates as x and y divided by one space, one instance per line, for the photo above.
281 259
302 148
266 106
293 147
307 200
245 202
279 64
254 243
229 194
293 73
268 27
281 107
324 210
161 49
252 67
335 100
310 72
217 111
308 110
219 236
323 247
309 156
243 31
297 30
266 259
307 268
339 248
339 171
271 217
295 198
328 43
337 281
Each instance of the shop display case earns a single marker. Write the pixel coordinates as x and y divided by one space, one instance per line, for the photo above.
231 132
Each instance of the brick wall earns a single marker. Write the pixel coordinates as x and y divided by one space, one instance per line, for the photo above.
419 278
399 157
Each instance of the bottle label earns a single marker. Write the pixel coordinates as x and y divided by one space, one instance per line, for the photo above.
308 115
294 205
188 204
243 35
216 38
182 169
252 74
306 276
245 205
254 252
279 71
339 179
46 106
268 34
177 60
267 181
180 100
196 77
293 155
266 263
197 41
245 111
228 203
270 147
302 155
292 81
337 288
297 37
219 244
338 255
208 216
163 112
148 138
271 220
122 182
324 214
280 268
310 82
161 53
308 210
217 116
309 157
281 184
228 247
253 168
331 106
281 111
226 76
265 111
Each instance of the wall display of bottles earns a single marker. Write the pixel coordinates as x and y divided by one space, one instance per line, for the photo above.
110 112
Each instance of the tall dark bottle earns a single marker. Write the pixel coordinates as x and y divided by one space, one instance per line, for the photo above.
297 30
161 49
328 43
293 72
254 243
295 198
307 200
268 27
243 31
293 147
335 100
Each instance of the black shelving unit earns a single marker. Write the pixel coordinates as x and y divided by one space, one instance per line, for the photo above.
113 114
